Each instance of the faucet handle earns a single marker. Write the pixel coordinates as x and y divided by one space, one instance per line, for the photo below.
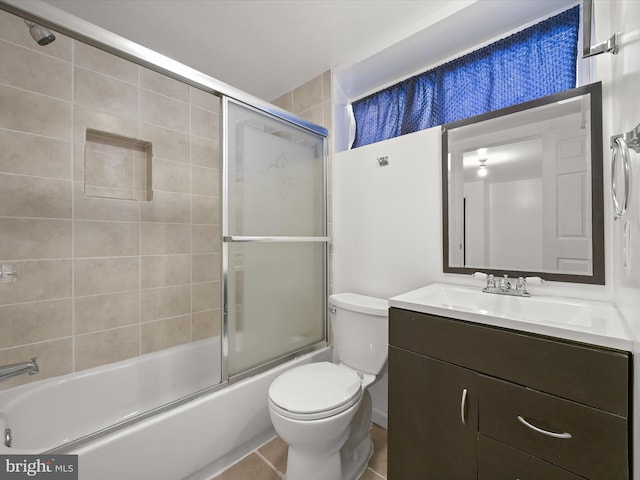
505 285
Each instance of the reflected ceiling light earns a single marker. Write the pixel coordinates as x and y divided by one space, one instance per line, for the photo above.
482 151
482 171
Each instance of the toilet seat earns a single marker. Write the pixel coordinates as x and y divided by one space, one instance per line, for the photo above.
315 391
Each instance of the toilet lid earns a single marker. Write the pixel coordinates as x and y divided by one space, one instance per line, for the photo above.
315 388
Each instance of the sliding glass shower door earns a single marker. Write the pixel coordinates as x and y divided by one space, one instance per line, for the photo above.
274 237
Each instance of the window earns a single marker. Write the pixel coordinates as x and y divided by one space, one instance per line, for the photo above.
535 62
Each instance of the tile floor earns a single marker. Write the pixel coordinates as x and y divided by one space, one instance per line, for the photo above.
269 462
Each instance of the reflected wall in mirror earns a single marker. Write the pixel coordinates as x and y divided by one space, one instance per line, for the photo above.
522 190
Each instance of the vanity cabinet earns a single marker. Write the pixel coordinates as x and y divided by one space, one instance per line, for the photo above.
470 401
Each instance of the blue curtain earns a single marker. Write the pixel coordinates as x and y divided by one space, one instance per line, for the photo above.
533 63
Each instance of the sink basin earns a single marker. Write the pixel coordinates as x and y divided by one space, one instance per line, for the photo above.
573 319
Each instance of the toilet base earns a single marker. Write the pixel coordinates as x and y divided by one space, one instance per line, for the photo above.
347 463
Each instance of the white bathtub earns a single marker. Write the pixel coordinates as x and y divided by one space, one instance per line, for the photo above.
192 441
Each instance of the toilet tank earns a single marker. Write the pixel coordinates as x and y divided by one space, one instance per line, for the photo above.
360 331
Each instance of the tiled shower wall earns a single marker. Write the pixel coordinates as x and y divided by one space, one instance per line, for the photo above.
101 279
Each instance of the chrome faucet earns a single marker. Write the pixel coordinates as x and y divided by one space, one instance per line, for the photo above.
8 371
503 286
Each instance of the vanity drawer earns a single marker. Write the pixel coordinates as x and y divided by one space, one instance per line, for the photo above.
595 376
497 461
598 444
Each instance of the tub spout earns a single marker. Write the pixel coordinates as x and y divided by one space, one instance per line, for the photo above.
8 371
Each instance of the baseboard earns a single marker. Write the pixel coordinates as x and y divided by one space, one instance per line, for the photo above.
379 418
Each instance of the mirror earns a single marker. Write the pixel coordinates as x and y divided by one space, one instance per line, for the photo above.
522 190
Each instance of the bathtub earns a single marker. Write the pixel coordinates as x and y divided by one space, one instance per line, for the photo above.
193 440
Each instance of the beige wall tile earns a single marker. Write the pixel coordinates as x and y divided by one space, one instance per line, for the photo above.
106 275
284 101
93 208
102 312
99 61
54 358
164 111
12 28
30 70
165 302
314 114
99 92
204 210
206 268
33 113
205 100
170 176
163 85
166 207
38 280
101 348
34 322
106 239
86 117
327 117
30 239
27 154
205 181
307 95
205 239
205 325
326 86
165 238
163 271
167 333
108 171
22 196
205 124
205 296
166 144
205 153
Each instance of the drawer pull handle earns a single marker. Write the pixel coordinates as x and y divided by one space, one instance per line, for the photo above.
463 405
544 432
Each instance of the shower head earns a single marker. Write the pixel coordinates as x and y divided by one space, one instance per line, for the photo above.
40 34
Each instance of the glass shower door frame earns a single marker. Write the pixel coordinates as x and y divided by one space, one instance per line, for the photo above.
228 240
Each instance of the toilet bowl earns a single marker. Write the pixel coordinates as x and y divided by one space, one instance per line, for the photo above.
323 410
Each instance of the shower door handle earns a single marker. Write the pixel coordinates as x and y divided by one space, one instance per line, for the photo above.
236 238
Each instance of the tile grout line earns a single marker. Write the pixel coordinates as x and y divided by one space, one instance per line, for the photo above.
271 465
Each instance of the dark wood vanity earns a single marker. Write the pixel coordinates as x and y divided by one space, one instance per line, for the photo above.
471 401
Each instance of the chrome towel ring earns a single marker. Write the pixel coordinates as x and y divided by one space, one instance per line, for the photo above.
621 145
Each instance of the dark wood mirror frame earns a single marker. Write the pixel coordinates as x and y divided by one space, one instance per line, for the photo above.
597 276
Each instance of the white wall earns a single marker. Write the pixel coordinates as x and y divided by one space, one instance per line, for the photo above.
386 220
387 237
622 114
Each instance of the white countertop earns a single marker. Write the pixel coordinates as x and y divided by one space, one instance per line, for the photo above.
596 323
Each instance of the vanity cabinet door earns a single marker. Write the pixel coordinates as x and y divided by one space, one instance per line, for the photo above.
433 419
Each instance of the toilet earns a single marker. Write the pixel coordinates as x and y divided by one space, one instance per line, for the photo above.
323 410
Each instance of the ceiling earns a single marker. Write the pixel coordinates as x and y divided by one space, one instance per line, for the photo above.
264 47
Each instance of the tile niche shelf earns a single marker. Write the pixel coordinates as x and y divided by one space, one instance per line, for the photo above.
117 167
